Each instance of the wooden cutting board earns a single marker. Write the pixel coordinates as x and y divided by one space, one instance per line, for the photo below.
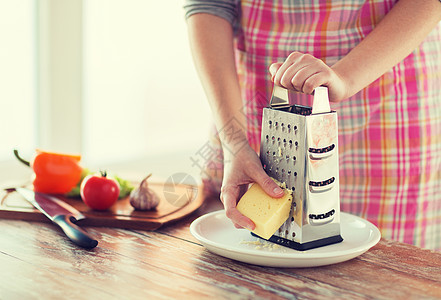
177 201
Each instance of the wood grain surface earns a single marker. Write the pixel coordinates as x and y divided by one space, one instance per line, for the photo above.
176 201
38 262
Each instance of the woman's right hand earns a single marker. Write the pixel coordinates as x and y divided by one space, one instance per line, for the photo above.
241 169
303 73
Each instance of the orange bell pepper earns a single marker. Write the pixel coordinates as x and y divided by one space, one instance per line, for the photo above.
55 173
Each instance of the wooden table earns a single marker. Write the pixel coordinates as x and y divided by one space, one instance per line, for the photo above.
38 262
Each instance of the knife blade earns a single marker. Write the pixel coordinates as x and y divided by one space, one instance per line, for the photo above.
61 214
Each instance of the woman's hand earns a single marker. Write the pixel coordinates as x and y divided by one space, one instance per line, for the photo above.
241 169
303 73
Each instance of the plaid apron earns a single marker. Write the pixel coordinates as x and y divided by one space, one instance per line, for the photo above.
389 132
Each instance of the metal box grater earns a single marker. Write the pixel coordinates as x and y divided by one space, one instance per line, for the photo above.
299 148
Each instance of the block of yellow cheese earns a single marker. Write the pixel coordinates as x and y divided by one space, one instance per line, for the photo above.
267 213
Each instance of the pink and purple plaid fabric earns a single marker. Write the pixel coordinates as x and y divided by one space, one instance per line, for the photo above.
389 133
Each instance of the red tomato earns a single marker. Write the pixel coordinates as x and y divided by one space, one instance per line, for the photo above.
98 191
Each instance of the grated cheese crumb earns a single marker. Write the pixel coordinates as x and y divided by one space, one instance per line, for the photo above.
262 244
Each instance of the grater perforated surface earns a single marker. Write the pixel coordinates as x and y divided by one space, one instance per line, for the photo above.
283 142
300 149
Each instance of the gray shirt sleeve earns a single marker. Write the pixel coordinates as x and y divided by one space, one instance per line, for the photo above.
227 9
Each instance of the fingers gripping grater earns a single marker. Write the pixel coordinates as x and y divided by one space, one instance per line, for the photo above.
299 147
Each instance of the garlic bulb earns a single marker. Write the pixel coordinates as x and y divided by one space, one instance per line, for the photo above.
143 198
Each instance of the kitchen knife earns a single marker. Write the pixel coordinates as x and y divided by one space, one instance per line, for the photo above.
61 214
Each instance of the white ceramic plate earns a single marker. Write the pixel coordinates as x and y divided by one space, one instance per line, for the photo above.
217 233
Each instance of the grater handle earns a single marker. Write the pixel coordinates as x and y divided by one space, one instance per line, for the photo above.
279 98
321 101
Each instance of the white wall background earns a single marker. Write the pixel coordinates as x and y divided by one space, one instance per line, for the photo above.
141 97
141 92
17 77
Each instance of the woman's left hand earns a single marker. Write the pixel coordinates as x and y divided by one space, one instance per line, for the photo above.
303 73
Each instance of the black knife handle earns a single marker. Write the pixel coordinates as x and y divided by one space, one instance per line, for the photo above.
75 233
